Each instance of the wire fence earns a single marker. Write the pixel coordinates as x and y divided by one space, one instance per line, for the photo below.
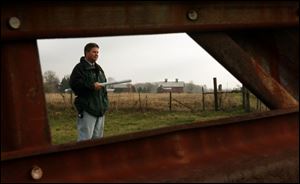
193 102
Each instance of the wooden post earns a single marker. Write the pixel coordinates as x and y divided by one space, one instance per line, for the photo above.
170 101
140 101
247 101
220 87
203 104
220 96
243 97
215 93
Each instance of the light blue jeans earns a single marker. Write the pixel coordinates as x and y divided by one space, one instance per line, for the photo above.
90 127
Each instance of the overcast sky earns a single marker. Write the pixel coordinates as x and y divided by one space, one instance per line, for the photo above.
141 58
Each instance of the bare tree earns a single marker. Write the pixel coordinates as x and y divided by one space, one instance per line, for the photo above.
51 82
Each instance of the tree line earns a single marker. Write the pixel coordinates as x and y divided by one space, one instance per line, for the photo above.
52 84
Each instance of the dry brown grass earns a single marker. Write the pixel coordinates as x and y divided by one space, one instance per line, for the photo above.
181 102
59 99
160 101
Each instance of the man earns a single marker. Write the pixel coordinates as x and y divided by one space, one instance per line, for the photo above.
91 101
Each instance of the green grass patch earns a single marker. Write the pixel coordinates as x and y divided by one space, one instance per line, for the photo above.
62 121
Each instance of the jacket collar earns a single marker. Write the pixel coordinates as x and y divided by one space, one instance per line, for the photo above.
87 64
92 64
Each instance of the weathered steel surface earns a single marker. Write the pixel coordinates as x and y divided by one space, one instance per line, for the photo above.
23 114
276 51
248 69
92 18
217 150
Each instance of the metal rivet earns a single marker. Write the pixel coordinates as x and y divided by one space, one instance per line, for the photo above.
36 173
192 15
14 22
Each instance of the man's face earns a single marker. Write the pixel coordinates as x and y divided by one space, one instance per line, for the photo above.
92 55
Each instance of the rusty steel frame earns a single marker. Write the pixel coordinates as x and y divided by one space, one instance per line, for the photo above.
192 152
77 19
263 82
257 41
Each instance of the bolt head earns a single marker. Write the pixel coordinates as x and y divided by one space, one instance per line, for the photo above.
14 22
36 173
192 15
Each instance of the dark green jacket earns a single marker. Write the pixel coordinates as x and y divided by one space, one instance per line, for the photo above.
82 80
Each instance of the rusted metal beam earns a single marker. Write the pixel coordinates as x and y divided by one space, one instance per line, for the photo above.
246 68
276 51
219 150
24 121
92 18
204 151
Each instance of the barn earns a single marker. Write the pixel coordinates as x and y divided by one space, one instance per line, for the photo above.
170 86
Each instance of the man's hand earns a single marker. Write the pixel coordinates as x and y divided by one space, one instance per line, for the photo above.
97 85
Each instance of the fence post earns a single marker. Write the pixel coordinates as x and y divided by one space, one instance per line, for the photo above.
215 93
220 96
170 101
203 105
247 101
140 101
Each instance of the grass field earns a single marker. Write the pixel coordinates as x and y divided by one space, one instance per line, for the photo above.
137 115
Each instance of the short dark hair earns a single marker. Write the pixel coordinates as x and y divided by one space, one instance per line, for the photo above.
89 46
